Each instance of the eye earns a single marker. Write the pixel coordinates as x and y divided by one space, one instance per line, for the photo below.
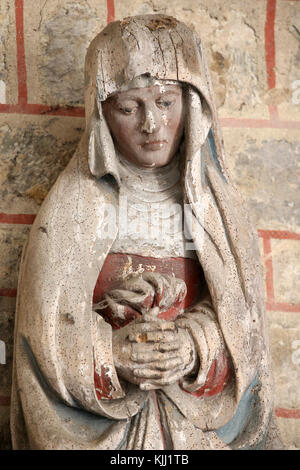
128 110
165 104
127 107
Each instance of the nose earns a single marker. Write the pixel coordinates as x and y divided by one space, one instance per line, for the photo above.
151 123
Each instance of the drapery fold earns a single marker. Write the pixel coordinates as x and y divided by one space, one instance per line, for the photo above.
67 249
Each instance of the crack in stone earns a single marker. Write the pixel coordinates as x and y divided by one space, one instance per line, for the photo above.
295 31
137 42
251 27
41 15
176 60
162 53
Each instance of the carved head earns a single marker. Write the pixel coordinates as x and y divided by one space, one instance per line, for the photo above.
146 122
146 86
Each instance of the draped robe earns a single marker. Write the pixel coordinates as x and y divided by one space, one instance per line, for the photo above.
60 341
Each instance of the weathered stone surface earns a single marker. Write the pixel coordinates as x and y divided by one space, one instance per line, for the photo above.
12 239
290 432
5 441
286 266
285 349
263 262
287 37
33 153
65 39
59 35
4 25
271 167
266 170
7 312
233 37
7 309
8 63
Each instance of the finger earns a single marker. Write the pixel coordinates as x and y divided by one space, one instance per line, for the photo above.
167 364
154 336
161 382
165 379
137 348
148 386
162 336
156 279
165 347
147 373
152 356
160 368
156 325
152 315
160 347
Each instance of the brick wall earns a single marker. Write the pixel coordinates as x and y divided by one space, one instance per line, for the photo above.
253 50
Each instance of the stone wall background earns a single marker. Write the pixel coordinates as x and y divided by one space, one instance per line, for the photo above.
253 50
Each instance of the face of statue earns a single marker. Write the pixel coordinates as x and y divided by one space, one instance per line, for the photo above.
146 123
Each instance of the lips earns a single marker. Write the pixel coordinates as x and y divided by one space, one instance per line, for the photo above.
154 144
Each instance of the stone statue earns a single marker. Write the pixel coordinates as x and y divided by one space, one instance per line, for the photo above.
140 314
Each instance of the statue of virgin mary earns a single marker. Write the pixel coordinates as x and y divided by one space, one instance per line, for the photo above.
126 341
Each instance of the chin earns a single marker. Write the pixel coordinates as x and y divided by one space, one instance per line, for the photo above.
152 164
153 161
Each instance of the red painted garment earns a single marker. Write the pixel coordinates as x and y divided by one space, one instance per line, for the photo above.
189 270
218 377
103 384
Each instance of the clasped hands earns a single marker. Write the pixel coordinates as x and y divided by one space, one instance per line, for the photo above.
153 353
